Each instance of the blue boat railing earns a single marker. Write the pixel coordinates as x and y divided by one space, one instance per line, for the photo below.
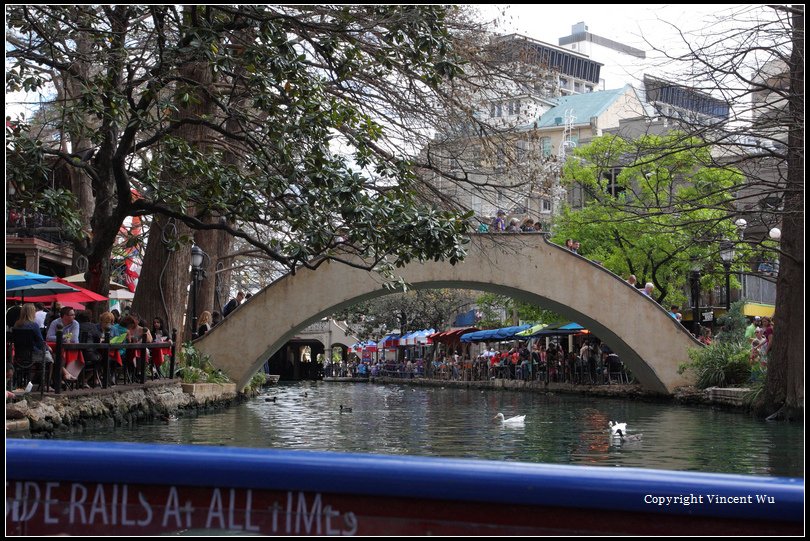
59 486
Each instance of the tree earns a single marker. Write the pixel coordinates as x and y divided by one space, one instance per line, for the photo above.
655 204
753 58
318 103
500 310
411 311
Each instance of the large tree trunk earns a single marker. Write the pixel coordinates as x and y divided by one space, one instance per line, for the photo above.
785 383
164 281
163 287
215 287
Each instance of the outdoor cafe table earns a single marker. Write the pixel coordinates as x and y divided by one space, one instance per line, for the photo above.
73 358
72 352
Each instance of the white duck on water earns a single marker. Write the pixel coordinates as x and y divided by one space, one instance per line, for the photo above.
517 420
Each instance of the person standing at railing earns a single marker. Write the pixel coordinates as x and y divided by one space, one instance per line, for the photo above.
205 323
233 304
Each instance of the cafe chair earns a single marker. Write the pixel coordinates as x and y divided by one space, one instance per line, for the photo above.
24 362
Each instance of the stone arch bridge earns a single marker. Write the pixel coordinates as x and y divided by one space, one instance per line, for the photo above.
527 267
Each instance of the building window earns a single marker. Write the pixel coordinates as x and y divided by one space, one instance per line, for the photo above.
612 186
545 146
545 205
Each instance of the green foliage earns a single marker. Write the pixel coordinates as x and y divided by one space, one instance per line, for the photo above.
497 311
294 122
733 324
666 207
196 367
256 382
423 309
720 364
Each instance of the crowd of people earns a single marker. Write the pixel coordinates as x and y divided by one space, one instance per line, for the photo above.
80 327
590 363
498 224
760 335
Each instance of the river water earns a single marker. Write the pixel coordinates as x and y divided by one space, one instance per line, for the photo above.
559 428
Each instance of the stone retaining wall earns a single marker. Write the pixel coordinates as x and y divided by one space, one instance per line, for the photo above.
115 406
682 395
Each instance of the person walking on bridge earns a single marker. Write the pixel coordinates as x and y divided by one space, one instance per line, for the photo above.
233 303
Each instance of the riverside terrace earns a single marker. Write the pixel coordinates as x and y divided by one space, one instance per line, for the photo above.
132 367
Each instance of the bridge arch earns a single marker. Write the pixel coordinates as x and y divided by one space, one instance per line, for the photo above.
527 267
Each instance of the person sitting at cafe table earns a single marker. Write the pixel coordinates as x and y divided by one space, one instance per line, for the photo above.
158 330
27 320
135 335
89 333
70 327
135 332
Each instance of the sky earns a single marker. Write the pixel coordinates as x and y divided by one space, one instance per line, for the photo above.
626 23
646 27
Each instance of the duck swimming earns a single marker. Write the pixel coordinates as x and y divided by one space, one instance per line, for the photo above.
517 420
629 437
344 409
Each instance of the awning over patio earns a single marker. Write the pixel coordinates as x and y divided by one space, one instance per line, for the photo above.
493 335
752 309
452 336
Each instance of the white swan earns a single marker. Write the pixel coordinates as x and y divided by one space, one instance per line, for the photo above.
518 420
616 427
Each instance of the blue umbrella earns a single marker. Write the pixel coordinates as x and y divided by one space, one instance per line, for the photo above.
38 289
19 278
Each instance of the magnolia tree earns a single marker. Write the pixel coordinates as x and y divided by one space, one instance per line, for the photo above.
295 129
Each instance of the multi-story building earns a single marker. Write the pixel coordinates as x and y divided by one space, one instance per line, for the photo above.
534 119
621 63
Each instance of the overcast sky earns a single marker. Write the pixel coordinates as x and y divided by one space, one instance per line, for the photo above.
626 23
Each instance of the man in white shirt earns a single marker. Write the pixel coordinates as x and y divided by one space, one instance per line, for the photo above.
70 327
40 316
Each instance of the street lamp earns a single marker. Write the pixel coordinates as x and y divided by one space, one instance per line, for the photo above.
775 233
727 255
197 258
694 277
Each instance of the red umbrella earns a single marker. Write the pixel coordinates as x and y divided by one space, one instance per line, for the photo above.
82 295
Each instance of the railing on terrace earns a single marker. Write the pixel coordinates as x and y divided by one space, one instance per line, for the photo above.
109 354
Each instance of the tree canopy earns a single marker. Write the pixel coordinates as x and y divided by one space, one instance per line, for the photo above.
312 99
654 206
411 311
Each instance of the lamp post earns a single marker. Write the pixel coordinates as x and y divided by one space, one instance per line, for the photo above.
727 256
741 224
694 277
197 257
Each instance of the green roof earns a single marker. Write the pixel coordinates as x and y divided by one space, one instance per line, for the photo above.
582 106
